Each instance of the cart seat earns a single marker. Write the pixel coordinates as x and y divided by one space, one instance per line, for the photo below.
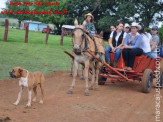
120 63
140 64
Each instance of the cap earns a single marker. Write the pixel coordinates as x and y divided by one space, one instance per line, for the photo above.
155 28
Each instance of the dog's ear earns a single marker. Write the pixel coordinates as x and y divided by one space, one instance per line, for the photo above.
20 70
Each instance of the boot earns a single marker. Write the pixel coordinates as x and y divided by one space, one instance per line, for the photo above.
115 64
108 61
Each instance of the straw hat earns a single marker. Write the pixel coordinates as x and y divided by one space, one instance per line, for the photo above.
134 24
89 14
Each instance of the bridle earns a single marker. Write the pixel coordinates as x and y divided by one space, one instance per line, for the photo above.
85 38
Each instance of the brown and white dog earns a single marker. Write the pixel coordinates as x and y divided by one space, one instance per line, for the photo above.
30 80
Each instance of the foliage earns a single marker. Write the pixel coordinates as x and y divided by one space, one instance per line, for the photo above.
148 30
57 19
161 34
106 12
14 8
110 12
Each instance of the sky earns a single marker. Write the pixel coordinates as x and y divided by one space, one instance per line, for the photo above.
2 5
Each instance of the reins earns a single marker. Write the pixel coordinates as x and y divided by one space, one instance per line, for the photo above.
85 37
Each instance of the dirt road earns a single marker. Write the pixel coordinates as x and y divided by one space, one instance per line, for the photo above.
120 102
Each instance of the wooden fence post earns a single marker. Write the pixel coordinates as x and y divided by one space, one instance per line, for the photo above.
26 26
6 30
63 32
47 34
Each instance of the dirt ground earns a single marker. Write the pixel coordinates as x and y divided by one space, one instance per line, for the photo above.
120 102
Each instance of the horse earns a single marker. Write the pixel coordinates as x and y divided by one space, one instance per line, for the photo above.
83 41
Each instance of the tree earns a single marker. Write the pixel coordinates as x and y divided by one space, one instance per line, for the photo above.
107 12
98 8
57 19
148 11
14 8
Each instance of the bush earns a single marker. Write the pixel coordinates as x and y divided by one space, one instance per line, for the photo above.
161 34
2 23
148 30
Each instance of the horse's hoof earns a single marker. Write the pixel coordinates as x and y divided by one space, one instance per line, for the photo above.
69 92
90 88
70 75
86 94
81 78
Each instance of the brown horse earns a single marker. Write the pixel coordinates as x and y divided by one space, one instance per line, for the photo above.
80 46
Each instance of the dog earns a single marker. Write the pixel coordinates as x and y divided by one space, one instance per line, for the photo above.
30 80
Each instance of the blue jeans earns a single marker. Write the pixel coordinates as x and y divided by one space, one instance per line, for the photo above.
151 55
117 53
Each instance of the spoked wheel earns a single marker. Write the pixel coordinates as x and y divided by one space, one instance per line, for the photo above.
102 80
147 81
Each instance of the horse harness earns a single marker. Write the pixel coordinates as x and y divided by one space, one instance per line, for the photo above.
85 38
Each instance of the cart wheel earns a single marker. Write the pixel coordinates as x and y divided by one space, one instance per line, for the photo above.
101 81
147 80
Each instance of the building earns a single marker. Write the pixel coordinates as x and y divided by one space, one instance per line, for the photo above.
34 25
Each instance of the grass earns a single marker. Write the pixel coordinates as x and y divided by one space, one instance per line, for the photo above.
35 55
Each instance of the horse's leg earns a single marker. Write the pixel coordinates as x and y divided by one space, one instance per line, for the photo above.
74 77
93 76
82 77
86 69
72 63
97 73
77 73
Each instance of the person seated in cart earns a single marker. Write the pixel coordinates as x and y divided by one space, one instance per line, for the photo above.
154 42
127 28
112 28
115 43
90 27
131 47
145 42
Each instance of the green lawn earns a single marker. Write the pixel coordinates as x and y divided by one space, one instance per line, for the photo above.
34 56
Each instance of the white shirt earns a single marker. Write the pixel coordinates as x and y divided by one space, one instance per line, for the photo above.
145 44
117 37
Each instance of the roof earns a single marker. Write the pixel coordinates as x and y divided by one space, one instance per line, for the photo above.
35 22
68 26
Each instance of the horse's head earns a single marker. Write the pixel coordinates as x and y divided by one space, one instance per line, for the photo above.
78 37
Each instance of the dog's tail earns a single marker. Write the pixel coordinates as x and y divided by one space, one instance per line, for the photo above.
42 78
